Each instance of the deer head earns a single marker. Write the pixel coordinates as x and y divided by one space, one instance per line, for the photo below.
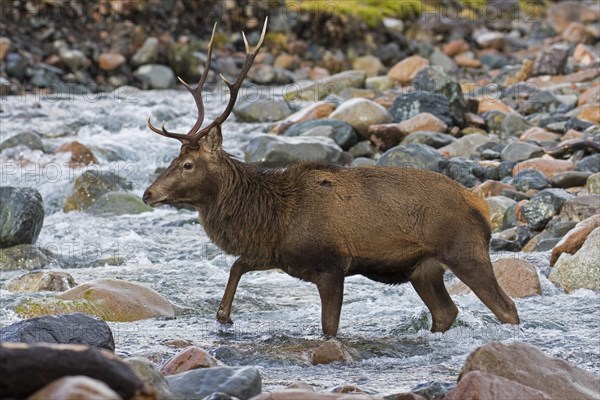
194 174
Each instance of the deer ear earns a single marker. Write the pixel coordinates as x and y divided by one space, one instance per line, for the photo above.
213 140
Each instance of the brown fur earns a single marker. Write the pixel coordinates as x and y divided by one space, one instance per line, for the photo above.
320 223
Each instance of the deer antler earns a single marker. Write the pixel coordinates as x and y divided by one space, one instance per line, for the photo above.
192 138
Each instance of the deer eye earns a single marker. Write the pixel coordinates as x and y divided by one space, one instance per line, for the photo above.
188 165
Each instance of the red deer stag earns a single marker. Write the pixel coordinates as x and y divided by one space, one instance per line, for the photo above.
321 223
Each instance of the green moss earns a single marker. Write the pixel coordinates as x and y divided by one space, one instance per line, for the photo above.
38 307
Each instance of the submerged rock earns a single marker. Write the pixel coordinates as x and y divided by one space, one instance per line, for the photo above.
191 357
243 383
75 328
26 256
580 270
54 281
28 139
109 299
330 351
21 216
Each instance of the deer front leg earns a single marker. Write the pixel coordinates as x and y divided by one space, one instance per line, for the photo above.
238 269
331 291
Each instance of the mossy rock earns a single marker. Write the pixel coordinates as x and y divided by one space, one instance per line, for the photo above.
90 186
118 203
109 299
25 256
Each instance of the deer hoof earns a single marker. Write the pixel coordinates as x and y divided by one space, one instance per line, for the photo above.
224 319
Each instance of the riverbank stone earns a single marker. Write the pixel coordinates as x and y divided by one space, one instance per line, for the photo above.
242 383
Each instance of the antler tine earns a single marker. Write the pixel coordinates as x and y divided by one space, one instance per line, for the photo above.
197 91
191 137
235 87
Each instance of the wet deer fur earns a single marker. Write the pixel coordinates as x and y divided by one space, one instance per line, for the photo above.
320 222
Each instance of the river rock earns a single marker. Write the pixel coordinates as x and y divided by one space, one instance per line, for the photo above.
593 184
54 281
464 146
109 299
540 101
75 387
589 163
28 139
118 203
577 32
461 170
529 179
416 156
345 142
151 377
27 368
575 238
580 270
262 111
191 357
243 383
513 125
72 58
21 216
370 65
580 207
147 54
551 60
490 188
410 104
538 134
264 74
156 76
316 111
517 277
404 71
363 149
570 179
519 151
305 394
90 186
318 90
434 79
278 151
480 385
361 113
110 61
543 206
498 206
75 328
433 139
553 376
547 166
379 83
330 351
26 256
386 136
5 44
342 132
81 155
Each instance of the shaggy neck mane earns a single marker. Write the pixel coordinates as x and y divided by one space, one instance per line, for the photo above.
248 214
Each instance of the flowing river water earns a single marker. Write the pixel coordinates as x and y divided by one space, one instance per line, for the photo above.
277 318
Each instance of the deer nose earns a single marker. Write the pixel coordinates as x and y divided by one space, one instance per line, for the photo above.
146 196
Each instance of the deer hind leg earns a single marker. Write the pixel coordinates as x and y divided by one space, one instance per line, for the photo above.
428 281
238 269
474 268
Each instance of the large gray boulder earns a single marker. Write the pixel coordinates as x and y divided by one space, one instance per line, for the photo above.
21 215
279 151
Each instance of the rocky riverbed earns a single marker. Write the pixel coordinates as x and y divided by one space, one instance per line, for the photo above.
510 109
